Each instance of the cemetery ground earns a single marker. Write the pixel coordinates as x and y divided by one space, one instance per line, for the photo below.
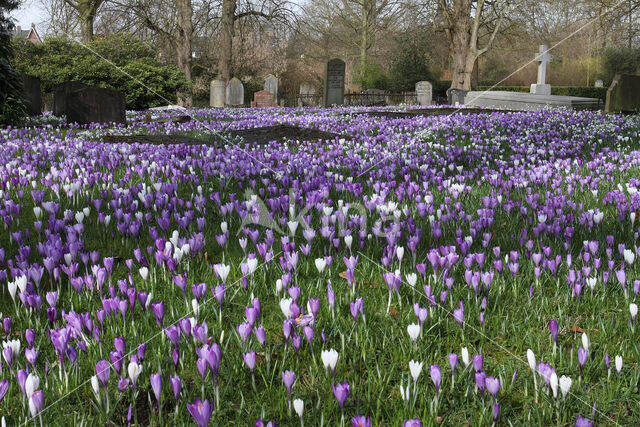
459 269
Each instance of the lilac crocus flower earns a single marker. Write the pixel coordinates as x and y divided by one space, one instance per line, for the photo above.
341 392
176 386
477 362
360 421
103 369
414 422
583 422
156 386
436 377
201 412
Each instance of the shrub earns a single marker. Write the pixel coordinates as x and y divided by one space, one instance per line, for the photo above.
12 108
117 62
621 60
410 64
371 76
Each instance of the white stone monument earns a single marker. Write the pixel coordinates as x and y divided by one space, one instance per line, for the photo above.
217 93
541 87
235 92
271 85
424 93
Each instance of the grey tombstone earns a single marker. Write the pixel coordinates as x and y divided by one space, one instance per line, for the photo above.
624 94
217 93
60 93
541 87
424 93
235 92
599 83
307 94
95 105
271 85
32 95
456 96
334 83
528 101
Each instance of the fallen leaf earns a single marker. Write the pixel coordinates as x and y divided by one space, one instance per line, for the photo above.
343 275
576 329
393 312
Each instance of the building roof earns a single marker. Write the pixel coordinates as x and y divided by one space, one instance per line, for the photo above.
31 33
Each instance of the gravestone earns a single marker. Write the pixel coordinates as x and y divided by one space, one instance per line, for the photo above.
217 92
541 87
271 85
263 98
235 92
599 83
60 93
424 93
307 94
32 95
624 94
95 105
334 83
456 96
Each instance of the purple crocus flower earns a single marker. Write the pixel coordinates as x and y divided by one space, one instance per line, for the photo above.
176 386
250 360
360 421
436 377
341 392
477 362
493 386
414 422
103 369
201 412
583 422
156 385
582 357
4 387
458 314
553 328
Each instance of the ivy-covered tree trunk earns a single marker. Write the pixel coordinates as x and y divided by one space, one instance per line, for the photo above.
227 22
185 30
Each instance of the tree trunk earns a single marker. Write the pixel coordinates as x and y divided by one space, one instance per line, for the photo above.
87 17
185 30
462 53
364 36
226 41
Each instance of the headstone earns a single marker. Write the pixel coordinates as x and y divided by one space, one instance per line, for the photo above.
235 92
217 93
60 93
456 96
271 85
307 89
624 94
541 87
263 98
424 93
32 95
599 83
334 83
95 105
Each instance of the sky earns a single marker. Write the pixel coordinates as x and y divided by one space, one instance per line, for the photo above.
30 11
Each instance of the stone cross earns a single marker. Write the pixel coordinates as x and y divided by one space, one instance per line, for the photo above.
541 87
543 58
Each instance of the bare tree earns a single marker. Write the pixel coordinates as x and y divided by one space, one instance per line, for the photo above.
231 13
86 10
464 22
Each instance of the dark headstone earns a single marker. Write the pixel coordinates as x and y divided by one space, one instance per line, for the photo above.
60 92
456 96
334 83
624 94
95 105
32 95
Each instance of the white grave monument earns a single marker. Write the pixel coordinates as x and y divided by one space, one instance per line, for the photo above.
541 87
